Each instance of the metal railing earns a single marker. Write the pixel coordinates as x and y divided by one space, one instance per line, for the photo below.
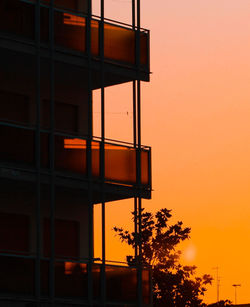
18 18
71 279
71 155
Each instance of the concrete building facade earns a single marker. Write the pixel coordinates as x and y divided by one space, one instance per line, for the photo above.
53 171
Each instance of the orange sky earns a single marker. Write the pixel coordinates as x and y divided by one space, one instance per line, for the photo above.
196 117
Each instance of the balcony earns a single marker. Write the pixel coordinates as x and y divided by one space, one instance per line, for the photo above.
120 163
71 280
17 18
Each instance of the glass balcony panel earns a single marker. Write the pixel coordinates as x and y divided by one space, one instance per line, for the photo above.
144 49
18 18
70 154
146 291
17 275
71 279
96 274
120 163
144 167
94 37
121 283
70 31
95 159
17 145
119 43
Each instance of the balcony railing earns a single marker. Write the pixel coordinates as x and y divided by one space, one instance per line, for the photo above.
120 161
17 17
71 280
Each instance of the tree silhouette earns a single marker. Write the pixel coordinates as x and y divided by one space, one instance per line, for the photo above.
174 285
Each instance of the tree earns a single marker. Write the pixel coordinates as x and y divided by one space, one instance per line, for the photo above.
173 283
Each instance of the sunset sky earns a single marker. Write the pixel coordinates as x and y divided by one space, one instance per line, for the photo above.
196 117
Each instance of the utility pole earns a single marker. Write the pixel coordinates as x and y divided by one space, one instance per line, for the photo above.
235 292
217 282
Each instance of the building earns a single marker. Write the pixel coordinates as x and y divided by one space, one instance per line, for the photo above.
54 54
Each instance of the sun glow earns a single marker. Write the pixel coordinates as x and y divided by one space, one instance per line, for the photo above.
189 253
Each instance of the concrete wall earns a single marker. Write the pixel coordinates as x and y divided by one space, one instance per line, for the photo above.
20 198
18 76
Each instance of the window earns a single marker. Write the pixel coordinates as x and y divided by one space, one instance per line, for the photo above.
66 238
14 107
65 116
14 232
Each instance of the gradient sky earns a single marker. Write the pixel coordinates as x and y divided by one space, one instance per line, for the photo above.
196 117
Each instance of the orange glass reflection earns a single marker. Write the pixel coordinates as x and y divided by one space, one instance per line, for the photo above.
144 48
121 283
120 161
75 143
74 20
119 43
146 286
79 144
71 267
145 167
70 31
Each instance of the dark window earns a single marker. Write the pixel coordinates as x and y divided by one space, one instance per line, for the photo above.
65 116
17 276
66 238
17 17
17 145
14 107
14 232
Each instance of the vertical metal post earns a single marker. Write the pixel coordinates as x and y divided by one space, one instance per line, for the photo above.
38 158
135 139
138 51
133 13
134 114
235 295
89 158
134 82
217 283
52 154
102 71
235 292
102 156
